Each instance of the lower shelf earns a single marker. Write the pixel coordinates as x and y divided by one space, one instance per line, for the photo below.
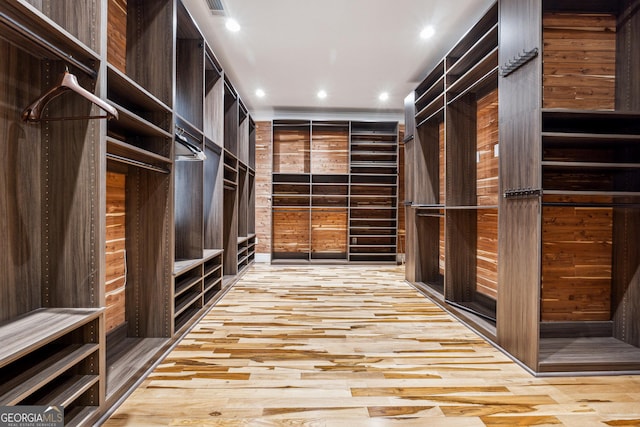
580 355
127 359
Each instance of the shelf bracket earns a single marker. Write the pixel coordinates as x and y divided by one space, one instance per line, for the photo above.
513 64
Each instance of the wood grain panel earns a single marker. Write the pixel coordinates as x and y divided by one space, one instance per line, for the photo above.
426 177
72 201
329 150
214 113
520 151
190 80
117 34
291 150
460 154
487 253
441 246
579 58
149 253
460 254
263 186
152 45
401 192
576 263
486 140
628 59
21 160
115 252
442 164
291 231
213 194
189 221
82 19
329 231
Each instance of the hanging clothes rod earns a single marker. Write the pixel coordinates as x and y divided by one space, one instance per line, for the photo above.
68 81
30 35
137 163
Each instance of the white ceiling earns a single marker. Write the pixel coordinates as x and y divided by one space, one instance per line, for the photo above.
353 49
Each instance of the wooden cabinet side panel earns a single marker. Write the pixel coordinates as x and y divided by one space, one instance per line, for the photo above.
460 152
518 311
212 197
410 245
628 57
626 275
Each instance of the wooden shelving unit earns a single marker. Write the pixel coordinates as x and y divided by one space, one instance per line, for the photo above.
124 244
524 195
331 186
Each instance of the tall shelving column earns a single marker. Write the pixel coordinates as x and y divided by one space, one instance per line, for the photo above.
373 191
569 290
51 239
291 190
471 133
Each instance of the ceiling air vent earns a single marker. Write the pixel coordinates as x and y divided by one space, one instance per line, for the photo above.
216 6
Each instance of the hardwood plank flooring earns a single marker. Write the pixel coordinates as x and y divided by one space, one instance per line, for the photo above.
355 346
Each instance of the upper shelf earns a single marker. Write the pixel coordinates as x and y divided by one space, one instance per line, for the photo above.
49 36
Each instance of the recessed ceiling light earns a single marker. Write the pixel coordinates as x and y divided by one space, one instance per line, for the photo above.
322 94
260 93
427 32
383 96
232 25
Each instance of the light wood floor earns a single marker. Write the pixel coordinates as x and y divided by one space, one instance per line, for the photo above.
355 346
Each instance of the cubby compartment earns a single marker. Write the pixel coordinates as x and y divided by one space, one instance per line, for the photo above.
189 101
474 59
291 190
52 357
329 147
188 290
330 190
231 116
291 233
428 101
213 99
291 146
139 45
329 233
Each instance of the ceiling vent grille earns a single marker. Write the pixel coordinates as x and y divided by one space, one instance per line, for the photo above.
216 6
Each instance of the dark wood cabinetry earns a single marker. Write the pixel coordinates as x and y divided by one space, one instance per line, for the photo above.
539 244
112 230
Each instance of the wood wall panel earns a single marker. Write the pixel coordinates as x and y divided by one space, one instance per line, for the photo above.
21 159
329 231
487 253
576 263
117 34
579 57
487 139
441 247
329 150
115 251
291 231
291 150
263 187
